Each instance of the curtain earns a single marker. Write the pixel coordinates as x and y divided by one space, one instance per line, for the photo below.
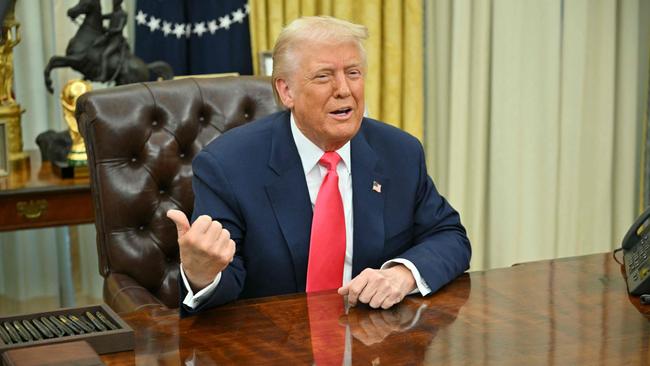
46 268
533 121
644 176
395 64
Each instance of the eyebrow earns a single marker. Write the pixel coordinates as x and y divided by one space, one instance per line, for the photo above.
329 68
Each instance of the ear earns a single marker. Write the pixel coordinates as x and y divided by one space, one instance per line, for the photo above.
285 93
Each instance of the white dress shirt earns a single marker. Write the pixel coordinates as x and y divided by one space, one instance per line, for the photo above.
310 154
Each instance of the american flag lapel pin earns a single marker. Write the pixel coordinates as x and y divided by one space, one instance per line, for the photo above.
376 186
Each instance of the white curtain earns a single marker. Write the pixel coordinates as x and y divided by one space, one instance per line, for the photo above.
54 266
533 119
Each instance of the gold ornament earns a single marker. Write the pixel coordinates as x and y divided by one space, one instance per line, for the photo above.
72 90
10 110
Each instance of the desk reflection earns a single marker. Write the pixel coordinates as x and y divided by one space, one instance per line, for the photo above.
304 329
573 311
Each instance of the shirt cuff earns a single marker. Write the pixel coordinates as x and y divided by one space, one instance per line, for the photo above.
193 300
421 285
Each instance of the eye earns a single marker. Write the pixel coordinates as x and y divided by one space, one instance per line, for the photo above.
354 73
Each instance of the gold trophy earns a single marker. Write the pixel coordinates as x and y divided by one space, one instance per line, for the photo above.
10 110
72 90
76 165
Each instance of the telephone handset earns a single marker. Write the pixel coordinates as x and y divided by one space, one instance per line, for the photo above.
636 255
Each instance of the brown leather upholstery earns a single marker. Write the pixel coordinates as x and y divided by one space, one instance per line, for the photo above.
141 140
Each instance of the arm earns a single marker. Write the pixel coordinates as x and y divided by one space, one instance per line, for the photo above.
438 253
118 22
441 250
214 197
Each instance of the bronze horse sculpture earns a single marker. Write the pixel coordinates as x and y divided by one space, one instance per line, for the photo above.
86 50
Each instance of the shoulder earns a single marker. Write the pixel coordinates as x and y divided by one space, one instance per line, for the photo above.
382 136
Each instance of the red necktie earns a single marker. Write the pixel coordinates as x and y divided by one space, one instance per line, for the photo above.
327 246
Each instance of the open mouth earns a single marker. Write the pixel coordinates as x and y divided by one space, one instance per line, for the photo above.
341 113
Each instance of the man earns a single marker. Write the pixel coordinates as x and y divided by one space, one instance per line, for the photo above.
317 197
113 40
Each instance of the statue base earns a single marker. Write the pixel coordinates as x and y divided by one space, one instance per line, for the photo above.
65 170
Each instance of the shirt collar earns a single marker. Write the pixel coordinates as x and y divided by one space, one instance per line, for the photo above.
310 154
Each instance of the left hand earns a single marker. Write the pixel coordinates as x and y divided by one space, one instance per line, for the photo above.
379 287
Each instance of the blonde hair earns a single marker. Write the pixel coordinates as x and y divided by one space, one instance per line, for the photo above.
314 29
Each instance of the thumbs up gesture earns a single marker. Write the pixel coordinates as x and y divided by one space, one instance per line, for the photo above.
205 248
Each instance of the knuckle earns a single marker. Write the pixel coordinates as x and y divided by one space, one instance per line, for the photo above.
223 258
233 248
204 218
394 299
216 225
225 234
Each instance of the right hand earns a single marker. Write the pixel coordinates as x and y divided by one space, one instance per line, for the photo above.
205 248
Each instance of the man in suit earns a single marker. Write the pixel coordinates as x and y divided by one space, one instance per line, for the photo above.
317 197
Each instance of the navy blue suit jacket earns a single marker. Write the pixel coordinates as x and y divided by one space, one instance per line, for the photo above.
251 180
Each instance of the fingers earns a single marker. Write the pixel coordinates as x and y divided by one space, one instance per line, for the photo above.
355 287
223 249
343 290
202 224
377 288
181 221
205 248
391 300
369 292
378 298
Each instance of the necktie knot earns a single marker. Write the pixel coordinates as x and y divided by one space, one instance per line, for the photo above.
330 160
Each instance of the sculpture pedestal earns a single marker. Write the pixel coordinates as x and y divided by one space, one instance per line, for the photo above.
66 170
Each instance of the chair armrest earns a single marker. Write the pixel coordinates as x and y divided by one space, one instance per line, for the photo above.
123 294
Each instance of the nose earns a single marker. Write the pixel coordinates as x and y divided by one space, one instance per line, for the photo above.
341 87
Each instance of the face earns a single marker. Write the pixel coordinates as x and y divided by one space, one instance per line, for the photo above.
325 92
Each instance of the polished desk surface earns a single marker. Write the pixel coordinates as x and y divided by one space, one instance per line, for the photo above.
32 196
572 311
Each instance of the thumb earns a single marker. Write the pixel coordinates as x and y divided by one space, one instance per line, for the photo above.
181 221
343 290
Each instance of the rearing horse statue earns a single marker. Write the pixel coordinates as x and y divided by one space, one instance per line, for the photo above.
88 54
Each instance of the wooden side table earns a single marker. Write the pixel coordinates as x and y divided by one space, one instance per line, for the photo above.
33 197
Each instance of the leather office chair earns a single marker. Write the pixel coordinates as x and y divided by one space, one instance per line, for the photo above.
141 139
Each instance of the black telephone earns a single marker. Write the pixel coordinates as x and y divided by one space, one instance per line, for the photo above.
636 255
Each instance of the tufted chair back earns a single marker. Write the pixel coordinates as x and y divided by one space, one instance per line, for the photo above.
141 139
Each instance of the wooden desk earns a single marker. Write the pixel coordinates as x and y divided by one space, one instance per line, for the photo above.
47 199
572 311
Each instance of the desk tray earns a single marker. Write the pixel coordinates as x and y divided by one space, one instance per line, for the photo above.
102 341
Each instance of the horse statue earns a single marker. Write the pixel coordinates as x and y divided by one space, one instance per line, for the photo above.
102 54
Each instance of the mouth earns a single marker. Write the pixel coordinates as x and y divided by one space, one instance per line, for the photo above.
341 114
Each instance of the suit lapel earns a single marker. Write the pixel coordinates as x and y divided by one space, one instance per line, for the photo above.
367 204
289 197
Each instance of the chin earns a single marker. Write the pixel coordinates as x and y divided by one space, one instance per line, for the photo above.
344 136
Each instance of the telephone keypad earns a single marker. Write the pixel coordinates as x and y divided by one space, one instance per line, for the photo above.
636 261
